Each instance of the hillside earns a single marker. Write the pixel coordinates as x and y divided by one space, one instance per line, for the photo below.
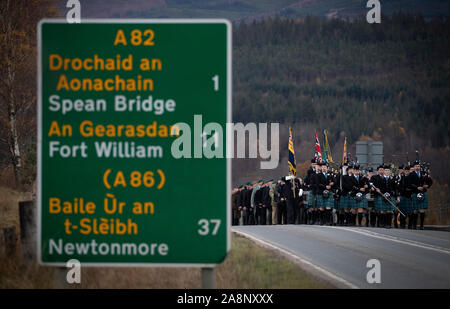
250 10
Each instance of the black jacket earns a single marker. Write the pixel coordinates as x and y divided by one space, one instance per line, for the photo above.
277 193
247 197
240 198
266 199
404 188
384 185
286 190
309 179
361 182
320 182
414 181
258 198
349 185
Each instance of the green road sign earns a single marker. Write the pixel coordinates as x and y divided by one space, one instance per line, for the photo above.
131 163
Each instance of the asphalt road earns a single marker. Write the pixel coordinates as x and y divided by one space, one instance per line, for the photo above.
408 259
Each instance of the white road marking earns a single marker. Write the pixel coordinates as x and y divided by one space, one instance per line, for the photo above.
393 238
301 260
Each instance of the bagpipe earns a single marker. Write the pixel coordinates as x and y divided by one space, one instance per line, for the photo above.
386 198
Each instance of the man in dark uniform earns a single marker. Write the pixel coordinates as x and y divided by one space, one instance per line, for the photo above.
258 203
315 206
254 204
268 201
244 203
338 199
288 192
419 183
250 208
352 196
308 186
393 191
370 202
377 181
235 205
361 189
265 202
323 186
387 187
276 200
315 184
405 204
347 198
299 204
398 178
281 208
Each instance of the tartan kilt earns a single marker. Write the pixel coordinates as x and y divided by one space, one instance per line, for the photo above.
406 205
361 204
379 203
322 202
382 205
344 202
416 205
315 201
336 205
351 202
309 201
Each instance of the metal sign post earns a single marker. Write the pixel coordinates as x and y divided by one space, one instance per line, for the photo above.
208 278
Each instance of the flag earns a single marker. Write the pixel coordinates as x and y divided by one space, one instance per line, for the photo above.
398 219
325 156
326 148
318 151
344 155
292 163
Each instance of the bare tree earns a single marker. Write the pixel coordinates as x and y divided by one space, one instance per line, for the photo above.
18 20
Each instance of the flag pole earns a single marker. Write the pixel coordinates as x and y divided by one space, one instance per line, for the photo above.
291 160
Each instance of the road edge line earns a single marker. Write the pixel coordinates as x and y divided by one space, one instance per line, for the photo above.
322 273
397 239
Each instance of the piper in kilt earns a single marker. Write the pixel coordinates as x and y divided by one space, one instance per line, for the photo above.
362 186
371 213
377 199
386 186
405 204
323 186
352 195
419 182
339 198
310 203
315 193
348 198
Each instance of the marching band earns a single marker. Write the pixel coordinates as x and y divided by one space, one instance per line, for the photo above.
348 197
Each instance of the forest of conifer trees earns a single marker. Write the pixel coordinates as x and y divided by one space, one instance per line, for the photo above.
346 76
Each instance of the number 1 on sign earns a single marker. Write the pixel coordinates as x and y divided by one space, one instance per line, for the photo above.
216 82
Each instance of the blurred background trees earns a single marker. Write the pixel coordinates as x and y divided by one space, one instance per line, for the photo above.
388 82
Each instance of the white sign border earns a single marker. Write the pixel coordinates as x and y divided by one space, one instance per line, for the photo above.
39 135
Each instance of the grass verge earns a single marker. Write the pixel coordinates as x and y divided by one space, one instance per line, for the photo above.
247 266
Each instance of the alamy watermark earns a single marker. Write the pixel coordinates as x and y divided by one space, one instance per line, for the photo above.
374 274
74 14
208 141
374 14
74 272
